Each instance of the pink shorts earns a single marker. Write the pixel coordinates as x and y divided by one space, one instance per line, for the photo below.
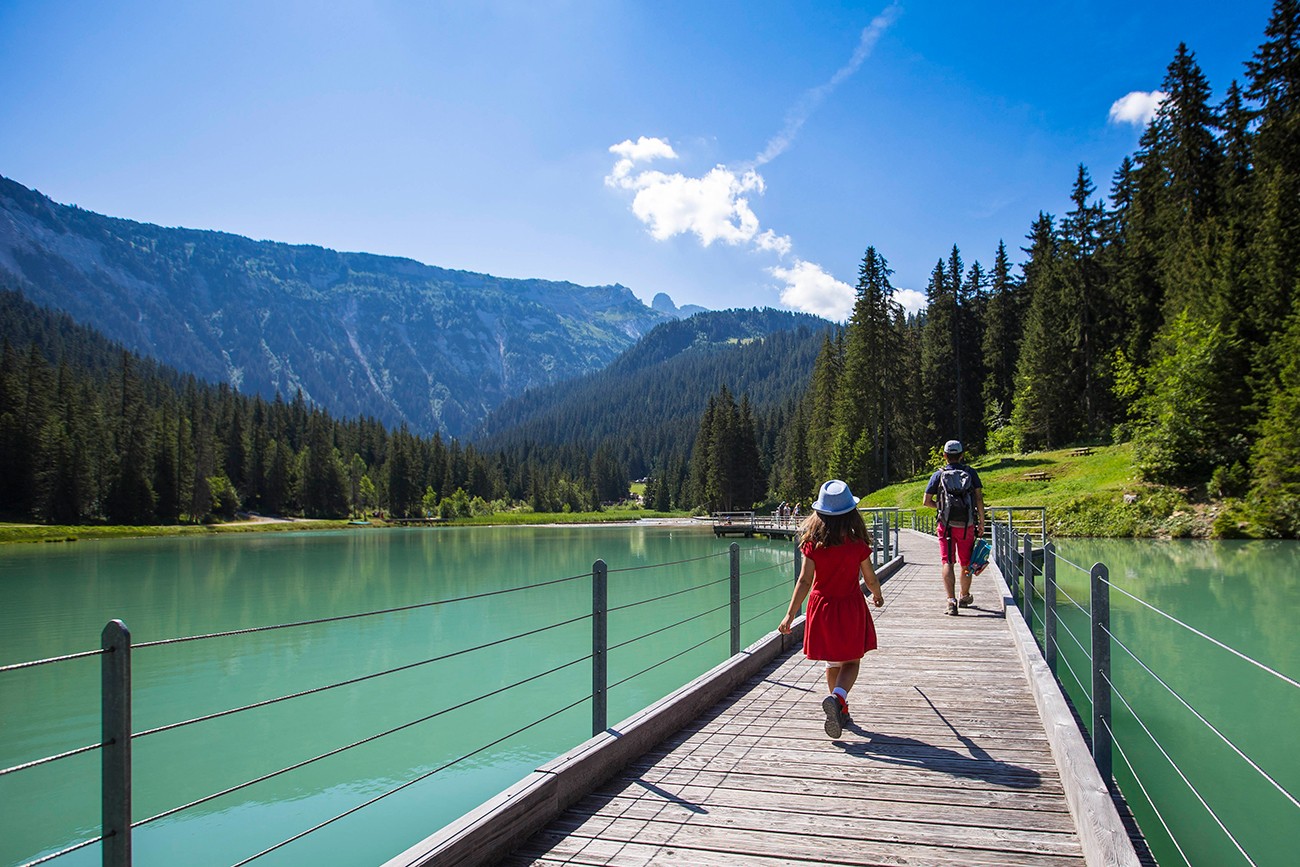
963 540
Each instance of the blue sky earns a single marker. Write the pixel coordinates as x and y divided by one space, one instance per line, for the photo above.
731 154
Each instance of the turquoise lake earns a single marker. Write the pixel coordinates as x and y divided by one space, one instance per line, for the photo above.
58 598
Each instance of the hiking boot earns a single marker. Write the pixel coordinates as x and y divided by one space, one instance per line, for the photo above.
966 601
835 709
951 609
845 719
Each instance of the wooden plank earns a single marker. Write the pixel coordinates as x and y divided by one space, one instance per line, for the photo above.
947 761
665 820
768 779
820 843
832 800
553 848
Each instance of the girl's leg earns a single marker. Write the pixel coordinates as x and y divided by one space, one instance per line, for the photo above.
832 678
845 675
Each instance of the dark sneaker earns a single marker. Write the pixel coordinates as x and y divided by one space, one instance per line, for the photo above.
952 609
845 719
834 708
966 601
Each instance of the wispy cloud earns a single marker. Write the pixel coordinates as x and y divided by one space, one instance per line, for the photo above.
1137 107
716 206
803 109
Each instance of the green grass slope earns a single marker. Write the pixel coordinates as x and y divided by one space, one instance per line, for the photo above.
1094 495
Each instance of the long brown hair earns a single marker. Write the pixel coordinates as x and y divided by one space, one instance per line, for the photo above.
825 531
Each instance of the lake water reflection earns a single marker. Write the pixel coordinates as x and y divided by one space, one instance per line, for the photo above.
59 597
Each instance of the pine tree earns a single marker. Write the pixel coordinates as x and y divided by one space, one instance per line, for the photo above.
1047 390
1001 342
860 436
939 360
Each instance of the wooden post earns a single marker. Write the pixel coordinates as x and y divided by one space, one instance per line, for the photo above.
735 598
115 717
1049 605
599 646
1027 585
1101 740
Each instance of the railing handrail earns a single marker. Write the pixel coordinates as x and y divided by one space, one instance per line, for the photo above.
1020 568
116 742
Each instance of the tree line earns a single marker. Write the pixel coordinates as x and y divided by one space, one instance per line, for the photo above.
1162 314
90 432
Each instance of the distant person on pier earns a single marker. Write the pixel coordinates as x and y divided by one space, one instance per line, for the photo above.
957 496
838 630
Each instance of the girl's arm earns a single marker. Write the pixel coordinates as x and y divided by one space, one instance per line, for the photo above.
873 583
801 589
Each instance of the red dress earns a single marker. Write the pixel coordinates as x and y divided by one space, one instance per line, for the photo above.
838 627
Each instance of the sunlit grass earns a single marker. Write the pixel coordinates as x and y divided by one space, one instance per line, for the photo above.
1085 495
50 533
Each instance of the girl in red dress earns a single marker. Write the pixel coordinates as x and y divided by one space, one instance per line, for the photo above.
838 629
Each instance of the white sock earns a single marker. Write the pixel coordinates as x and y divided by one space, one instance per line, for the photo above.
950 599
839 690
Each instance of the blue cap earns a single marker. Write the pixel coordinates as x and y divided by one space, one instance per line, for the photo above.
953 447
835 498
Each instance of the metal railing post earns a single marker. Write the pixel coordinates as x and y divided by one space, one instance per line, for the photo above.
115 777
1013 560
1027 594
1101 740
599 646
735 598
1049 605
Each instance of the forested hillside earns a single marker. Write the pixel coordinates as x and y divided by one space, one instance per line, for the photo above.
90 432
357 334
645 407
1164 313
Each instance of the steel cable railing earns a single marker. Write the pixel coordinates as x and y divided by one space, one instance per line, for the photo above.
65 658
117 746
1169 832
673 625
372 738
66 851
677 655
1156 742
694 589
405 785
1015 563
355 680
666 565
1211 639
320 620
1205 722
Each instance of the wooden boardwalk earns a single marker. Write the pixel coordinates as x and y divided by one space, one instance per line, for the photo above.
947 762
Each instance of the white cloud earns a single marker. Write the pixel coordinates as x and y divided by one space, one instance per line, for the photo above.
1137 107
771 241
812 290
632 152
912 301
712 208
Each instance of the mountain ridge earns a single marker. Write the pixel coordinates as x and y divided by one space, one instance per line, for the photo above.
645 406
358 333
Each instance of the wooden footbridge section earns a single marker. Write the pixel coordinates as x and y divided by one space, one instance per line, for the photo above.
954 757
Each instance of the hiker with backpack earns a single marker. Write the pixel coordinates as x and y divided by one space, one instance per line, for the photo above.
957 496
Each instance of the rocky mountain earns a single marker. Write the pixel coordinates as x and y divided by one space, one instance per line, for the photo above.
665 305
359 334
